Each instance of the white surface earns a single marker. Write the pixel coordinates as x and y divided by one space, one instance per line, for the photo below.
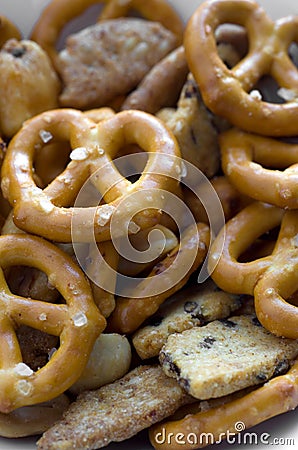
24 14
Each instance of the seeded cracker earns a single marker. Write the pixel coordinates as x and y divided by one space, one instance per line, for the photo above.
116 411
225 356
109 59
195 305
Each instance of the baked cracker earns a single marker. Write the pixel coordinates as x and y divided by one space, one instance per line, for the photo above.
226 356
192 306
117 411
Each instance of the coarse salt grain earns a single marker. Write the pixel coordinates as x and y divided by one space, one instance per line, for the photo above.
287 94
42 317
79 319
45 136
256 95
133 227
100 150
23 370
24 387
105 213
79 154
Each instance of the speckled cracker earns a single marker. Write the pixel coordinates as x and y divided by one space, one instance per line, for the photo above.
195 305
109 59
225 356
116 411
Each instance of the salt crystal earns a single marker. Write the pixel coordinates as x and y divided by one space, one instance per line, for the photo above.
24 387
100 150
42 317
256 95
133 227
287 94
79 319
23 370
79 154
105 213
45 136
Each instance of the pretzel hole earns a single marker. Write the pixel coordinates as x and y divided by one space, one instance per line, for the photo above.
36 346
30 282
293 299
262 247
131 167
232 43
50 160
293 53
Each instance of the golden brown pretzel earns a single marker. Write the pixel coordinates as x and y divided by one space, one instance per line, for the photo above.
227 92
47 212
236 237
8 30
277 284
59 12
243 158
130 313
277 396
78 323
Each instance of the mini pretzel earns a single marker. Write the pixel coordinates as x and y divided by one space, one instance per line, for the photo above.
243 156
130 313
59 12
47 212
236 237
277 396
227 92
78 323
277 284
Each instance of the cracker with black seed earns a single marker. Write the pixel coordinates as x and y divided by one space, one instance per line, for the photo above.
225 356
117 411
195 305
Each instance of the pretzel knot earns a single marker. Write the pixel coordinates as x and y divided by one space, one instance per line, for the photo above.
263 168
59 13
78 322
230 92
50 212
268 277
